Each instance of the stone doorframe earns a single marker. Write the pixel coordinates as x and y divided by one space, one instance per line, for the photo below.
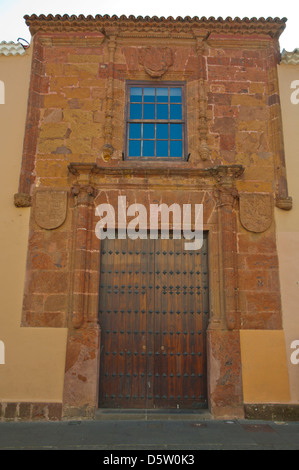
215 188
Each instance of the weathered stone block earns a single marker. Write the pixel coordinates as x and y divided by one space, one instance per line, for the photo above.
86 130
77 116
57 83
81 70
55 69
50 145
245 100
84 58
54 130
78 92
224 125
48 282
55 100
52 115
48 168
79 145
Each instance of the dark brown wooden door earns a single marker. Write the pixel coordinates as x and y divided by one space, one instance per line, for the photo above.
153 313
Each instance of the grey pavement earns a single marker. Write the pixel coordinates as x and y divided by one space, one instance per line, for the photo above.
150 435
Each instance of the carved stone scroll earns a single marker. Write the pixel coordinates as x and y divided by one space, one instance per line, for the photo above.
50 208
256 211
204 150
107 150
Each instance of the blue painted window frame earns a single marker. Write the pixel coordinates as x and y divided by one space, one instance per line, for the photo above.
156 124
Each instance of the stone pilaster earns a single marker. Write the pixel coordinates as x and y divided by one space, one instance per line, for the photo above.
82 356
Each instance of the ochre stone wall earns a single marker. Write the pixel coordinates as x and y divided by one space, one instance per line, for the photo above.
71 128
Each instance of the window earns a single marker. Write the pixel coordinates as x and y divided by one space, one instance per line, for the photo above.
155 120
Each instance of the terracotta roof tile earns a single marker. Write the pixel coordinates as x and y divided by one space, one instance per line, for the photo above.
291 58
11 48
272 26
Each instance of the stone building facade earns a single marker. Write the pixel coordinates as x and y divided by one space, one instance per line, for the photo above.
147 350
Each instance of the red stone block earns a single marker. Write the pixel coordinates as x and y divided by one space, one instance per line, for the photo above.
263 301
263 243
218 60
228 142
224 125
51 282
220 99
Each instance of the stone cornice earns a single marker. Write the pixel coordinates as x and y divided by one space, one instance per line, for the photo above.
62 23
155 174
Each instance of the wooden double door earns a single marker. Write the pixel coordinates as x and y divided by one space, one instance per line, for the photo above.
153 313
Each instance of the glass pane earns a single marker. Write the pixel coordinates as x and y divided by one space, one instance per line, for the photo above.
175 111
148 111
136 95
135 131
162 95
162 131
162 111
134 148
135 111
149 95
148 131
176 131
148 148
175 95
162 148
176 148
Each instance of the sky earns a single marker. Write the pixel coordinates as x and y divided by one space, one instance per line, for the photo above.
12 24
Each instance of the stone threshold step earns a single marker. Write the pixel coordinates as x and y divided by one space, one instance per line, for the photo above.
151 415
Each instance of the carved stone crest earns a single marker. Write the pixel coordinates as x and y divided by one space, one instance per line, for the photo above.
156 60
50 208
256 211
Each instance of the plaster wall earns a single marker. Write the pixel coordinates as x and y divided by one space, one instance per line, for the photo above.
287 223
33 368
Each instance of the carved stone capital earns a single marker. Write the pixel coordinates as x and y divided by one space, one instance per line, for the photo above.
88 190
84 194
83 187
226 175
